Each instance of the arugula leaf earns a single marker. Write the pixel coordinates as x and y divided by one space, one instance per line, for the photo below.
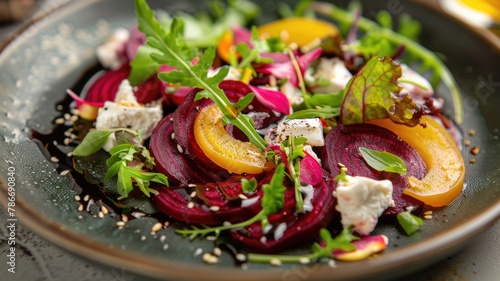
383 161
409 222
324 112
373 93
92 142
173 51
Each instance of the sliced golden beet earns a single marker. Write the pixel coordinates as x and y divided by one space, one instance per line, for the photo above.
301 31
229 153
445 166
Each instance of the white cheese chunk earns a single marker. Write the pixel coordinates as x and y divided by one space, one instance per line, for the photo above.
311 128
361 201
112 53
332 70
126 112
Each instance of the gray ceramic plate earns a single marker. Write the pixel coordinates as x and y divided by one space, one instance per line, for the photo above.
53 52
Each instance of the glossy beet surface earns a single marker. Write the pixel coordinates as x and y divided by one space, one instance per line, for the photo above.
341 146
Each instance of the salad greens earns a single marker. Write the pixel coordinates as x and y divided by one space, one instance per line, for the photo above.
390 40
372 94
127 161
201 30
318 251
174 52
383 161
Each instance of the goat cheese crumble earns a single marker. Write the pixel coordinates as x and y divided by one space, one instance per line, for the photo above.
361 201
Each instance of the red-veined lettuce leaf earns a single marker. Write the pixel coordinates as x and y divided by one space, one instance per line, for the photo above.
373 93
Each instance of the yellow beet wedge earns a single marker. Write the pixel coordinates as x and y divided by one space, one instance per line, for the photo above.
301 31
445 166
229 153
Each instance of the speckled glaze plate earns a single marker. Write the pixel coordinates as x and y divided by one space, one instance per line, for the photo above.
51 54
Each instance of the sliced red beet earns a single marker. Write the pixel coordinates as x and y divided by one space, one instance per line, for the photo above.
341 146
300 228
174 202
104 88
176 165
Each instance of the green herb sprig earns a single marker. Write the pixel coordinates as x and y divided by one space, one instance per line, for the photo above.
383 161
272 202
128 159
341 241
293 147
173 51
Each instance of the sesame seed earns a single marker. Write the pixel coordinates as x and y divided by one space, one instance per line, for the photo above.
165 247
101 215
143 237
428 212
179 148
59 121
65 172
242 197
156 227
217 251
428 217
67 141
332 264
77 197
226 223
474 150
75 111
190 205
120 223
472 132
172 136
124 218
193 194
472 160
210 259
214 208
241 257
86 198
304 260
162 238
166 224
69 154
198 252
54 159
104 210
211 238
466 142
80 208
191 185
67 116
275 262
74 118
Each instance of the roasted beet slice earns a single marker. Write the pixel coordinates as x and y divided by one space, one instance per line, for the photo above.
175 203
104 88
341 146
300 228
177 166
